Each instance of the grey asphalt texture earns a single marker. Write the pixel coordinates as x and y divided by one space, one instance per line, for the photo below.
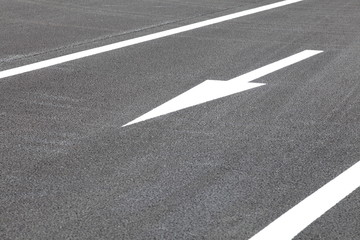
221 170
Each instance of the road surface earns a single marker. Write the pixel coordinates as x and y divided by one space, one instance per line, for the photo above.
231 167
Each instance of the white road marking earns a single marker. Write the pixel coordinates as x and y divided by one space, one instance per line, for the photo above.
303 214
130 42
214 89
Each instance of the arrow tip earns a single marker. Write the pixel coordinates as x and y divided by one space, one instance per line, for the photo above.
132 122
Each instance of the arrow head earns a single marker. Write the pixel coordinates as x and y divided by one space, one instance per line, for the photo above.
204 92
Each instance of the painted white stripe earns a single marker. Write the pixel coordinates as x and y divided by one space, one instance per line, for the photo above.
302 215
130 42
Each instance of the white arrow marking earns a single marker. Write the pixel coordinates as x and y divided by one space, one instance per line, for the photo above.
214 89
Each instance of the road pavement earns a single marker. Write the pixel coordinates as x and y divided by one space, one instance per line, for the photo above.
223 169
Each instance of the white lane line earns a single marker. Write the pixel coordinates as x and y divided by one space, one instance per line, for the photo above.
215 89
303 214
130 42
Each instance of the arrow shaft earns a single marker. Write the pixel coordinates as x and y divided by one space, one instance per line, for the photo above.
273 67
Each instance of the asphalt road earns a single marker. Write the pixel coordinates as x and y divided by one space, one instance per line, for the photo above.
224 169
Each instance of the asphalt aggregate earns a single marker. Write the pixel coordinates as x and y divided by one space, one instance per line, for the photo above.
224 169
